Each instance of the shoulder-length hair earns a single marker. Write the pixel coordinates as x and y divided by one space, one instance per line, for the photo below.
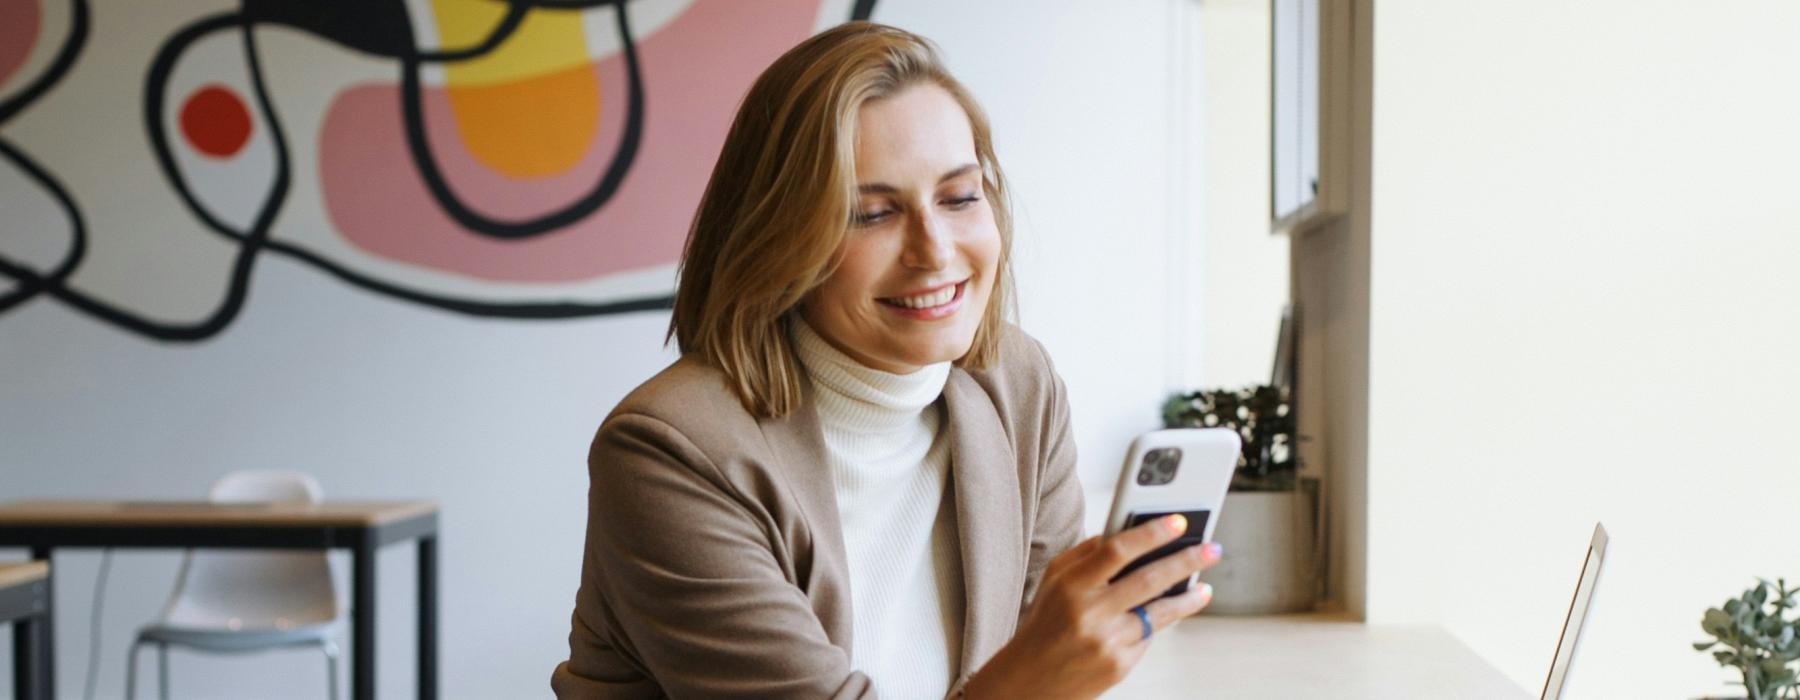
780 200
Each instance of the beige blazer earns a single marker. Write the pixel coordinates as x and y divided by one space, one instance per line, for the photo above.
714 565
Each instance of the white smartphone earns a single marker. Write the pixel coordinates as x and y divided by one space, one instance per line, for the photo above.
1180 470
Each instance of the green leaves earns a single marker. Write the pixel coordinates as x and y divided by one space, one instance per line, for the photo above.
1263 419
1715 622
1759 638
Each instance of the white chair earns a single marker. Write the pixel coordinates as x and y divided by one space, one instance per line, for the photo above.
235 601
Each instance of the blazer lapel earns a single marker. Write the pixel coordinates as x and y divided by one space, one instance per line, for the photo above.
797 448
984 477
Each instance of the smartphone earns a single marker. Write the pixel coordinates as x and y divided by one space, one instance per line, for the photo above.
1180 470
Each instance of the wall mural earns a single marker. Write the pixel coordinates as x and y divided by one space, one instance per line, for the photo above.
514 158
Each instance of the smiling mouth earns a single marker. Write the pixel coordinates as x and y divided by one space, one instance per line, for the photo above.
943 296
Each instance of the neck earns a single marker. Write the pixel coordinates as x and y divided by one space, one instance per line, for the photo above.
863 397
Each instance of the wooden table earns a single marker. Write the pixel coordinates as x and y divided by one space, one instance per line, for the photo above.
359 526
25 603
1311 656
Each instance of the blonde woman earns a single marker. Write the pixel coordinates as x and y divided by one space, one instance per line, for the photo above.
859 479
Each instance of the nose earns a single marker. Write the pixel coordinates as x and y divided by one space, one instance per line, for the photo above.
929 245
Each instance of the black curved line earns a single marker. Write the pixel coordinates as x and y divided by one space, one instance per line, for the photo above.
496 35
77 229
162 67
238 284
570 4
66 55
472 308
253 242
155 81
515 15
65 58
237 287
160 70
475 222
29 285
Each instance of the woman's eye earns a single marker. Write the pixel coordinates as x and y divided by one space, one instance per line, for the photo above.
962 202
864 218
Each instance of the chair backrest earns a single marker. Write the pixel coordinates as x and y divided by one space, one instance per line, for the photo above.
265 487
255 589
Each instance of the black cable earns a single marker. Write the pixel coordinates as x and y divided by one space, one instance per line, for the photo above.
93 669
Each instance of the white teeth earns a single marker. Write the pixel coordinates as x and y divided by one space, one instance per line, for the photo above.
926 301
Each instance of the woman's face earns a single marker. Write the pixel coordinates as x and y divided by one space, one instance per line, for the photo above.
918 264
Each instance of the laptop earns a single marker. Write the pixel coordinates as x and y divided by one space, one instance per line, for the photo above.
1578 610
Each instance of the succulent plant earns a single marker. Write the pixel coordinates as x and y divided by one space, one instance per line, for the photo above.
1755 634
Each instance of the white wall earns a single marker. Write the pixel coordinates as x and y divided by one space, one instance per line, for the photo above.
492 418
1081 101
378 400
1584 235
1246 268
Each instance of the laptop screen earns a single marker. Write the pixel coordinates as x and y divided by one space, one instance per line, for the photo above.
1578 609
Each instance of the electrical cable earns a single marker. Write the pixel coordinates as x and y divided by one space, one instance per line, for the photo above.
93 669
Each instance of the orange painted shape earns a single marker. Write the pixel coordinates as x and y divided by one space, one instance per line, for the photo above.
533 127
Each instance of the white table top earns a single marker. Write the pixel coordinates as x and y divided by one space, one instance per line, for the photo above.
1311 656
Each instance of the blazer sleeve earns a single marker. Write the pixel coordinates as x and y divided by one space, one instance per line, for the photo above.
693 593
1059 508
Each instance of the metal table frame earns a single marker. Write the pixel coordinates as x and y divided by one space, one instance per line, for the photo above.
362 541
27 606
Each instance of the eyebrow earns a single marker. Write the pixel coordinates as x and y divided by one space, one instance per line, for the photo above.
884 188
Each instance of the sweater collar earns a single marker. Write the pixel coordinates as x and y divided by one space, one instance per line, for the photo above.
854 397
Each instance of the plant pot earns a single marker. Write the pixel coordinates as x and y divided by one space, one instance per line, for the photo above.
1269 554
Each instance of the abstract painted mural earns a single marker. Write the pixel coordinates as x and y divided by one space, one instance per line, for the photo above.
513 158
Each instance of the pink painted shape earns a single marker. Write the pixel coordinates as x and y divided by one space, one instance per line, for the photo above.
695 70
19 21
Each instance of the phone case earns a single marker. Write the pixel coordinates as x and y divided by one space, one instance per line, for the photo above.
1197 489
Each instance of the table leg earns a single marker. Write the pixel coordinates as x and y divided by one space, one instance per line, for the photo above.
25 663
34 668
428 618
362 622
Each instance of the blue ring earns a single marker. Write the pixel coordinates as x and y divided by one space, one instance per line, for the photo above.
1143 617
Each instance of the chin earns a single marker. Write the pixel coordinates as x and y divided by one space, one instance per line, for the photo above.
941 350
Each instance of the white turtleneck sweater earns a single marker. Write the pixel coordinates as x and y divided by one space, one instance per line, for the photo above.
890 464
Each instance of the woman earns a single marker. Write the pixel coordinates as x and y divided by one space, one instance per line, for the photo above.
858 478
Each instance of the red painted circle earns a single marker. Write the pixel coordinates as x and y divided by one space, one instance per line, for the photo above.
216 121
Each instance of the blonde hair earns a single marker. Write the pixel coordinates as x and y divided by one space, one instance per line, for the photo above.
780 201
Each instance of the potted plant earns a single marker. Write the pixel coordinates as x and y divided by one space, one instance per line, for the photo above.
1267 524
1755 634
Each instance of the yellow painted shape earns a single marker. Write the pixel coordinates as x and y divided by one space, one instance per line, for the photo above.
548 40
531 107
535 127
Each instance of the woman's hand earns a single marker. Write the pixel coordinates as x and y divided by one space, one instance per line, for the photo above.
1080 636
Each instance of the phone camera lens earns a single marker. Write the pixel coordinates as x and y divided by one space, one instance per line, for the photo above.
1159 466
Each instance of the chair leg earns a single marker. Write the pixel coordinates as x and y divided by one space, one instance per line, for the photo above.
162 662
131 669
331 664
